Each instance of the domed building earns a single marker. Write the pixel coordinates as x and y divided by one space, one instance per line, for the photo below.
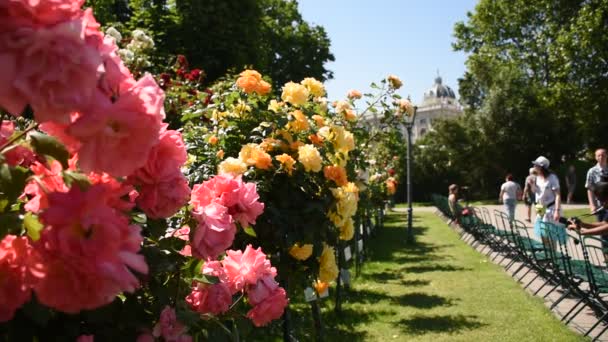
438 102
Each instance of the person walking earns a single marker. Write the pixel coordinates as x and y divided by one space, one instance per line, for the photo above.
453 202
548 202
529 199
594 176
570 183
509 193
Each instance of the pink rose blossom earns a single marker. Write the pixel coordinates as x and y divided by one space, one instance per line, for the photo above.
88 250
16 155
121 195
214 233
209 298
117 78
239 197
164 198
85 338
167 157
269 309
46 12
265 287
117 137
169 328
47 181
59 131
246 268
17 262
51 68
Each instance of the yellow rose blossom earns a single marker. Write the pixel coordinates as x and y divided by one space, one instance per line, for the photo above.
287 162
299 122
328 270
315 87
350 115
347 230
301 252
275 106
286 136
217 115
294 93
270 144
232 166
354 94
394 82
336 174
347 197
342 106
253 154
405 106
310 157
241 108
319 120
220 154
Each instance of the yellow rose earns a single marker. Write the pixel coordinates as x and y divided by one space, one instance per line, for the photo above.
301 252
328 270
342 106
354 94
294 93
347 230
253 154
394 82
344 141
347 198
319 120
287 162
232 166
405 106
315 87
350 115
241 108
299 122
321 286
220 154
275 106
310 157
270 144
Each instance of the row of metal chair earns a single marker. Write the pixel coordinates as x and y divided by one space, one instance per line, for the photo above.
562 258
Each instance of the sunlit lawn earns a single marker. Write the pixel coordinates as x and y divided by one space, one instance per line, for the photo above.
439 289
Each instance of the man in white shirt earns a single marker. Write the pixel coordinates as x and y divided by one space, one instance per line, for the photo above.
509 193
594 176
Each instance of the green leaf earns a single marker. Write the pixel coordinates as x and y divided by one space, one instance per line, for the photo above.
32 226
49 146
70 178
206 279
12 181
249 230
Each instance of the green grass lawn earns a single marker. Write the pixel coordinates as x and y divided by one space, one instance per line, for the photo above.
439 289
578 212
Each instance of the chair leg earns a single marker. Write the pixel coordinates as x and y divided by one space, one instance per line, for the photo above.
531 281
576 313
521 267
542 287
596 324
600 334
559 300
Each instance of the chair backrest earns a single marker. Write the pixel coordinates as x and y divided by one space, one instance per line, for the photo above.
504 223
596 262
486 215
556 246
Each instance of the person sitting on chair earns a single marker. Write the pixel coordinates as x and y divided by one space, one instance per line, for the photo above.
600 191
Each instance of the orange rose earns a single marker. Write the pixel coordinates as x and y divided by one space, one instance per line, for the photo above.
321 286
253 154
299 122
287 162
220 154
251 82
296 145
315 139
213 140
336 174
319 120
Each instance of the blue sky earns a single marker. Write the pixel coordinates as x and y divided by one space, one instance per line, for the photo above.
408 38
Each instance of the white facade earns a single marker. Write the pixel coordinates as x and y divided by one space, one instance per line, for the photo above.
438 102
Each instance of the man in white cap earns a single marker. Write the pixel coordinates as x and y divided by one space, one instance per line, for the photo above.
594 176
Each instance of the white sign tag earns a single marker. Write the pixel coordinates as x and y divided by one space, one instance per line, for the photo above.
325 293
347 253
360 244
345 276
310 295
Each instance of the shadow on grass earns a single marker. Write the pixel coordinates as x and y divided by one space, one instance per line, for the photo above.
416 300
433 268
421 324
415 282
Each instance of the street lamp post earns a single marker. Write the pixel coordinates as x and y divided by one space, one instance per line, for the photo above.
409 124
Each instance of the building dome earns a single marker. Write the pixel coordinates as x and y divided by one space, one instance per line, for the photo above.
438 90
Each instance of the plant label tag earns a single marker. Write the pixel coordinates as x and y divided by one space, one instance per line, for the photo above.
345 276
361 229
369 230
310 295
325 293
360 244
347 253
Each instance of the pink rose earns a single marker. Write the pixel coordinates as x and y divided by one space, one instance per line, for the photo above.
117 137
214 233
263 289
207 298
50 68
47 12
120 195
270 309
48 181
169 328
85 338
16 278
16 155
117 78
164 198
88 251
165 158
246 268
